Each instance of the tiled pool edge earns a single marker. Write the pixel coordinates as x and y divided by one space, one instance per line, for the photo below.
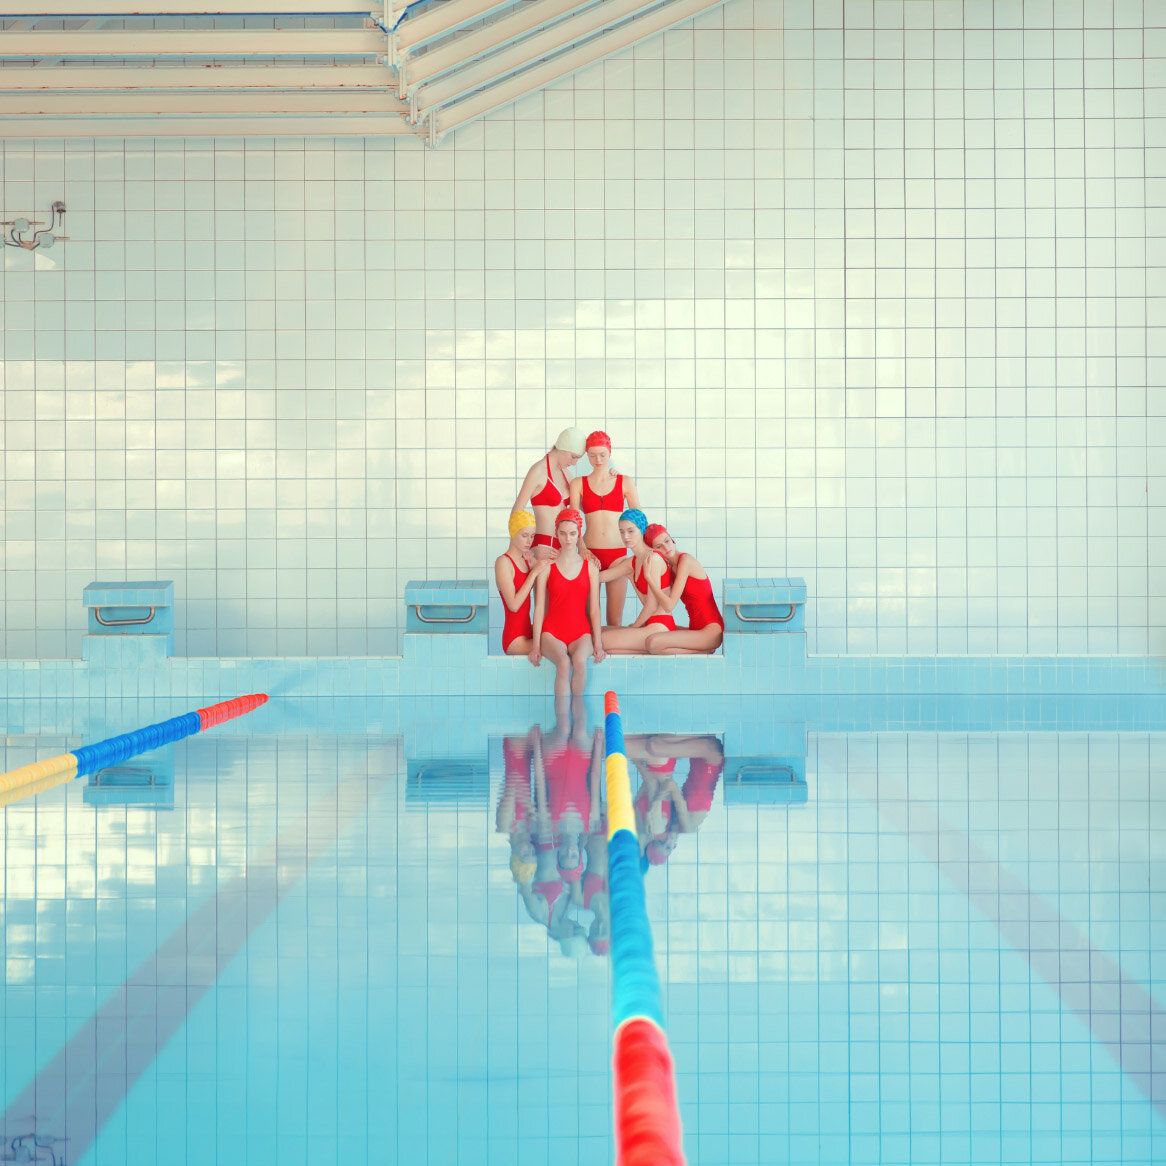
459 666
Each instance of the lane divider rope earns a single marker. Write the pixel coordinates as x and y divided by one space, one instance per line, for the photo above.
113 750
647 1117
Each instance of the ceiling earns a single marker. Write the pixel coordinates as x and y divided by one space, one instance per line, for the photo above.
157 68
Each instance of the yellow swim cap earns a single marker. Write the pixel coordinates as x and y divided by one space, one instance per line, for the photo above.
521 869
520 520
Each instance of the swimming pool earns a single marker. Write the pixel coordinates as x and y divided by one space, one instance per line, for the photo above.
902 937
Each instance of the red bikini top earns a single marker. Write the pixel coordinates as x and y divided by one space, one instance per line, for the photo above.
612 500
550 494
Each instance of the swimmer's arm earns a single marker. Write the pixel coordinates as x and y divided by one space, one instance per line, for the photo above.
540 777
527 490
540 611
504 578
504 819
596 779
630 493
667 600
680 806
617 570
651 603
596 619
575 492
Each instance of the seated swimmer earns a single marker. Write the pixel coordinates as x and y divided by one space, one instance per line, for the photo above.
643 565
566 611
690 587
515 573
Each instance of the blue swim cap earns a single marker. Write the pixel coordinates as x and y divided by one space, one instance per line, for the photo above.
636 517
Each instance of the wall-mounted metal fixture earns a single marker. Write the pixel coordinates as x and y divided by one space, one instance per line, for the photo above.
16 232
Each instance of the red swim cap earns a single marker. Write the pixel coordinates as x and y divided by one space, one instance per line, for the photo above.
598 438
569 515
653 533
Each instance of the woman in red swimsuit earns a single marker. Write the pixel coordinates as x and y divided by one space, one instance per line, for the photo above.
690 586
603 495
566 611
515 574
546 488
643 565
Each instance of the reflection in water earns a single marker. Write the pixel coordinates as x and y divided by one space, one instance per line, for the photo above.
144 781
551 805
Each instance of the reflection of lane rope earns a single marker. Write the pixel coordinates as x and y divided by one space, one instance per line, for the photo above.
647 1118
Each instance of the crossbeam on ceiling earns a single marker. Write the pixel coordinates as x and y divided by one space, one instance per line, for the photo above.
476 105
190 42
51 78
533 49
370 126
30 9
170 104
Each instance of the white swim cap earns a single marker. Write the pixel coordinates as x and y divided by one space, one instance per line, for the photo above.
572 440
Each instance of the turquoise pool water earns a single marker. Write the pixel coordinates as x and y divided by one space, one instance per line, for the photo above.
299 939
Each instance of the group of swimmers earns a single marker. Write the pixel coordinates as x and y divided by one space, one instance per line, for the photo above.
569 536
551 808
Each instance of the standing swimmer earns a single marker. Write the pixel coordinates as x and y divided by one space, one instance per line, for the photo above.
566 611
546 488
603 495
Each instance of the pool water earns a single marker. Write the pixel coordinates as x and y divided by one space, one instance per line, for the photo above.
299 939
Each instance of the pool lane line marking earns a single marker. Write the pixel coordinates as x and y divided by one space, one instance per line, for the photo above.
1103 1001
83 1086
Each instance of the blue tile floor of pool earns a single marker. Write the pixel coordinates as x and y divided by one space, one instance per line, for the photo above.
298 942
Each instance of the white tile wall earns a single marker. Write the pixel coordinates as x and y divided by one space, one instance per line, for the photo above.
867 292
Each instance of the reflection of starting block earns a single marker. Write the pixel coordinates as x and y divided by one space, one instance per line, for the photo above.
448 780
765 781
148 783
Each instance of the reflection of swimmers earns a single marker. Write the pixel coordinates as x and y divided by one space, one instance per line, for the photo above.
643 565
515 814
664 811
566 611
602 496
596 897
565 769
546 488
568 767
515 575
690 587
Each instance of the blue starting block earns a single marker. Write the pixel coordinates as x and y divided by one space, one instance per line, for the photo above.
765 605
447 607
119 610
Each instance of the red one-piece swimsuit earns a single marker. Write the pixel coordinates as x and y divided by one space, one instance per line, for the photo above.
700 603
516 623
567 602
641 585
